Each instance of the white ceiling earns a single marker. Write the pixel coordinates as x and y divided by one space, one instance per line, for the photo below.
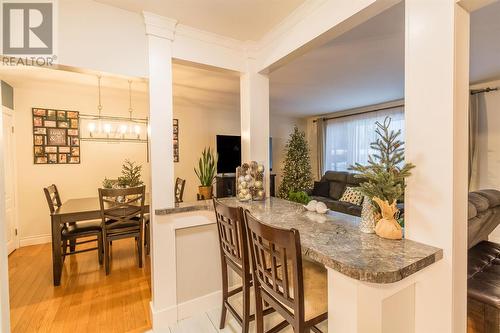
363 66
485 44
22 75
197 87
366 65
240 19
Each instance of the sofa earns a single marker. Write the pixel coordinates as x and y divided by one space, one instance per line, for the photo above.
483 268
330 194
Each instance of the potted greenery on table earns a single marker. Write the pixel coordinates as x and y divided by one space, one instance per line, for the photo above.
384 183
206 172
131 177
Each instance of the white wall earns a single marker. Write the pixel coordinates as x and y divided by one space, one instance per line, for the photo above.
486 170
199 123
100 37
98 160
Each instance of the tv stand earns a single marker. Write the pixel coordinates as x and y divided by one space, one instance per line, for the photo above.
225 185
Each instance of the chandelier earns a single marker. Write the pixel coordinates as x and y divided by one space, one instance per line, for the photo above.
108 128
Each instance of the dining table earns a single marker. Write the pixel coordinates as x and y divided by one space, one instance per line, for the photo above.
74 210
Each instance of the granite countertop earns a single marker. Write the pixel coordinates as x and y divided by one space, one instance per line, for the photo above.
335 240
184 207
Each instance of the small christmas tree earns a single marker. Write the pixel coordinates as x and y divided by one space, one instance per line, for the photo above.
297 175
131 175
384 175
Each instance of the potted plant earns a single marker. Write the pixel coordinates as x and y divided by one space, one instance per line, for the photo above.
384 183
206 172
131 177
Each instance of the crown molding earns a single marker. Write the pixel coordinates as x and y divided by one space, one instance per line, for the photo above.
160 26
299 14
209 37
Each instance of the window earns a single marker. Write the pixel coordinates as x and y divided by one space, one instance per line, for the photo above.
348 138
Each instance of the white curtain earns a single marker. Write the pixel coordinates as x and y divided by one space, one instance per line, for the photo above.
348 138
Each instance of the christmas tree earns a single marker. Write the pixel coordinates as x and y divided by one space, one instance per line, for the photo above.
131 175
297 175
384 174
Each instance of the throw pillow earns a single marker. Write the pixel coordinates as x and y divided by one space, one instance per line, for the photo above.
321 189
352 195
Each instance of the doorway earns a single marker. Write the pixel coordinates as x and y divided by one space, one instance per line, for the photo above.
11 233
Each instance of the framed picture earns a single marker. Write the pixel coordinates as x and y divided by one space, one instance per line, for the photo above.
40 130
52 158
37 121
51 114
50 123
40 112
56 136
176 140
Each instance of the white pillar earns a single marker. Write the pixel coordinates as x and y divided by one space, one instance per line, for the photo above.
436 99
254 94
160 34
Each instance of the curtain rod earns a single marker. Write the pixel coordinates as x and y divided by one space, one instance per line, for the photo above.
363 112
488 89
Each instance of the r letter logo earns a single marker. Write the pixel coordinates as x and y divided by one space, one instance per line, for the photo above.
27 28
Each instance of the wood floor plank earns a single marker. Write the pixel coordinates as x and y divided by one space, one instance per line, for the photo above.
87 300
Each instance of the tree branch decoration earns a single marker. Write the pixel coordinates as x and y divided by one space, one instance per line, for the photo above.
131 175
384 175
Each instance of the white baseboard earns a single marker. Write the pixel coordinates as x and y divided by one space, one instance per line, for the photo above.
199 305
35 240
162 319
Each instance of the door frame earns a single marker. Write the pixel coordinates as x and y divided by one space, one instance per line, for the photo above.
11 113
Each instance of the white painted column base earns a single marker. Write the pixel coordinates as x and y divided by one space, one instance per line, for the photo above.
361 307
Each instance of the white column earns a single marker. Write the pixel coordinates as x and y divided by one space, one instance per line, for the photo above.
436 98
160 34
254 94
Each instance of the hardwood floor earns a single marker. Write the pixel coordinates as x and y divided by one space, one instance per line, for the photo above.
87 300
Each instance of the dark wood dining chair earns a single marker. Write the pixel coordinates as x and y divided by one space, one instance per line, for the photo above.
122 213
233 254
179 189
295 288
73 231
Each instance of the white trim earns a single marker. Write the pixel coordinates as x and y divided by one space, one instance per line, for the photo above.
199 305
209 37
368 108
35 240
159 26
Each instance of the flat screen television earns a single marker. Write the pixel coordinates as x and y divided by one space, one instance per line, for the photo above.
229 153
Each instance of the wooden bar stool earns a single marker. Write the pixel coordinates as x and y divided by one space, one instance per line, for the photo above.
295 288
233 254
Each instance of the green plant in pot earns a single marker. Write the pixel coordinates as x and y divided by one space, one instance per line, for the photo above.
131 176
384 181
206 172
